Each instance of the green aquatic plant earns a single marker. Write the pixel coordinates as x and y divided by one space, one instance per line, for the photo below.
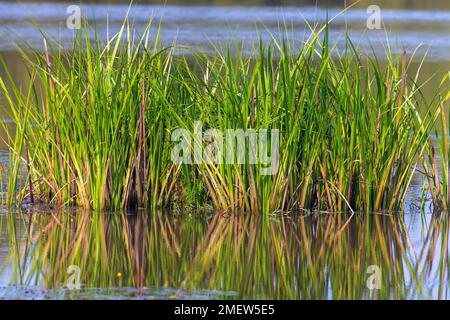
94 127
436 166
351 130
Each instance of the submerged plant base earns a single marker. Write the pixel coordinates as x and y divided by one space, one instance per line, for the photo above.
95 127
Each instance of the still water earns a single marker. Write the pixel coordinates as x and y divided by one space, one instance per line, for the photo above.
200 26
53 254
110 256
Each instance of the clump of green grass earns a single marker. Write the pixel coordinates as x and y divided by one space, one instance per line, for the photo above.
94 128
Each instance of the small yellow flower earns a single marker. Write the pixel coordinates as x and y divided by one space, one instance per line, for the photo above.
119 274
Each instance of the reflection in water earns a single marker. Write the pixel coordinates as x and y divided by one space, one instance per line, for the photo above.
158 255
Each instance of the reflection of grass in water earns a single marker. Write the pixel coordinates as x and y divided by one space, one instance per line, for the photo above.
350 130
299 257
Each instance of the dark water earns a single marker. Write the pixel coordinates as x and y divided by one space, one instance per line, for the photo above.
205 256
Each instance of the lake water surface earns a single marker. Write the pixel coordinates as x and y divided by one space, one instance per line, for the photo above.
44 252
199 256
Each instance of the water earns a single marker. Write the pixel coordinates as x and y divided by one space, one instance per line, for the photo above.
150 255
198 256
199 26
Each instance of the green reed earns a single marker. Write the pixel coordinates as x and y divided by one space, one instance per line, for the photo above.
94 127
